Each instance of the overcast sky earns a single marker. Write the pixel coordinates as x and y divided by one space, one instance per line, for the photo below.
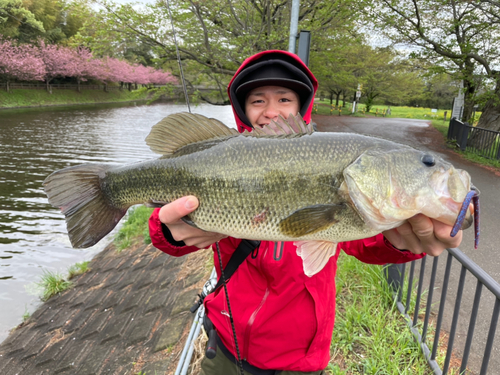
135 1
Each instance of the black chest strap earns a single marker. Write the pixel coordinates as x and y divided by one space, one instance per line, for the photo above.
243 250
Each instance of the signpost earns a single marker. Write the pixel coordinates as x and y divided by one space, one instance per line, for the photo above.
358 95
458 104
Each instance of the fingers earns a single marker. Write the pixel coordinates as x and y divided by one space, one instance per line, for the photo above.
204 241
171 215
420 235
174 211
442 233
423 235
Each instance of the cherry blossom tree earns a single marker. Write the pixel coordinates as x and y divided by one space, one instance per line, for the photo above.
45 62
57 60
160 77
20 62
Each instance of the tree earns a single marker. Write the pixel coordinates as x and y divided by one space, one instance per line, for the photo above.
58 61
337 68
384 74
20 63
389 77
214 36
13 14
461 36
27 62
53 20
440 89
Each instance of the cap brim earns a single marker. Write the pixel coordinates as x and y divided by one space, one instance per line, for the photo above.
297 86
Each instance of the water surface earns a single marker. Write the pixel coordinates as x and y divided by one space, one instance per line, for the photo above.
33 144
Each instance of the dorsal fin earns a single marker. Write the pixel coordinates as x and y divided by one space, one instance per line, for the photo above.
182 129
293 126
179 130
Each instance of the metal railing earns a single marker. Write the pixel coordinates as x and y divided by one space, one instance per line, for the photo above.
480 141
395 275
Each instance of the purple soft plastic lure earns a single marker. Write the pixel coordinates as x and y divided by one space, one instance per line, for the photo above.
474 196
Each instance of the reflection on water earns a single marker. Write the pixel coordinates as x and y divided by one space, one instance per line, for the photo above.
34 143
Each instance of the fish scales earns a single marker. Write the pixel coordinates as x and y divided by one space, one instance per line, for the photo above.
244 177
279 183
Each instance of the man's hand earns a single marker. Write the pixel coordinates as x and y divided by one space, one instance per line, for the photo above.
420 234
171 215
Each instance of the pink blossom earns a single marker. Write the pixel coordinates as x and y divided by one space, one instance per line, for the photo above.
46 62
20 62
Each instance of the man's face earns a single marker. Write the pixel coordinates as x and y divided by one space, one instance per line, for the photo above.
266 103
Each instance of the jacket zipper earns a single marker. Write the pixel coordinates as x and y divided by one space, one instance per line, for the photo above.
250 324
252 318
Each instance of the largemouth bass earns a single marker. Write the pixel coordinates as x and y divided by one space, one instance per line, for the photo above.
316 189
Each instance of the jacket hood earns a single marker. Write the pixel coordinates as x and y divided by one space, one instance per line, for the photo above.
305 83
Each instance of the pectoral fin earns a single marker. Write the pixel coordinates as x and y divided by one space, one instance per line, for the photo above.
155 204
310 219
315 254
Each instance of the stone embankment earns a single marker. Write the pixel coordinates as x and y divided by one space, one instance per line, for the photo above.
128 315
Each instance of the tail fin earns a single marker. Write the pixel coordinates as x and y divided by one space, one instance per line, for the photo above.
90 214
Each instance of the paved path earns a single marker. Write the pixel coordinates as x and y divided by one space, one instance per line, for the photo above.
418 134
124 316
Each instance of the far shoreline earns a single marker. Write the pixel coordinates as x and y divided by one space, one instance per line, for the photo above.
29 98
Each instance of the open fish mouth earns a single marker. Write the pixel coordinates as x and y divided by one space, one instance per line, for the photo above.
462 222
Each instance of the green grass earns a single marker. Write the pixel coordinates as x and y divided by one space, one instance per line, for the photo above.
78 269
442 127
324 108
479 159
36 98
134 227
370 335
26 314
53 283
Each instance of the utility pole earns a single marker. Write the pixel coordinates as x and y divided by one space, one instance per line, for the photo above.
294 25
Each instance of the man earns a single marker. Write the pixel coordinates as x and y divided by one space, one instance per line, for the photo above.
283 319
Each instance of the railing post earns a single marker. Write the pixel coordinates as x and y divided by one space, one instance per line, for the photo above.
450 128
464 134
393 273
497 141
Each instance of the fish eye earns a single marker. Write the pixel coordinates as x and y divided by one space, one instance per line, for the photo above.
428 160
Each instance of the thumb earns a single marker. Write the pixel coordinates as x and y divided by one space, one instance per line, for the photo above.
174 211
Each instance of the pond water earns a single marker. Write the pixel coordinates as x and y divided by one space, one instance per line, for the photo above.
33 144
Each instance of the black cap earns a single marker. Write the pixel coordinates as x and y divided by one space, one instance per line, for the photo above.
271 72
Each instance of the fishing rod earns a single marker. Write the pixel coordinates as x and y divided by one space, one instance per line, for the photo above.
178 56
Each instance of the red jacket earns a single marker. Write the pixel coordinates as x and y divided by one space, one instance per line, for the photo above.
283 318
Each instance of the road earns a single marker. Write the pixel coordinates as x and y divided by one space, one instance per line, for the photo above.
418 134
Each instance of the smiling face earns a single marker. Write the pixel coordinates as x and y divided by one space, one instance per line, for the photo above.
266 103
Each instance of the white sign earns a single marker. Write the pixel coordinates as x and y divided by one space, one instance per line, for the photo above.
458 103
358 94
434 110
